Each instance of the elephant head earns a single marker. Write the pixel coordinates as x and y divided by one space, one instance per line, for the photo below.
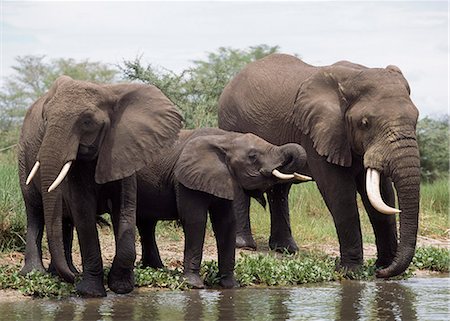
218 164
347 110
120 127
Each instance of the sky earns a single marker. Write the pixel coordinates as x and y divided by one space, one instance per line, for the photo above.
412 35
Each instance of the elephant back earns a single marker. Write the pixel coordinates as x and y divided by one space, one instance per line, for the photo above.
262 95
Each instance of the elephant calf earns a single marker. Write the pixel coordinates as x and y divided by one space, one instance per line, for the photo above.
205 171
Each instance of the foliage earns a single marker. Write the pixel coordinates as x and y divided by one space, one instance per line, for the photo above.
34 283
251 269
196 90
12 208
433 140
160 278
32 77
432 258
434 206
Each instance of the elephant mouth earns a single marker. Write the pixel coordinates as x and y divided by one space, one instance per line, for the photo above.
87 152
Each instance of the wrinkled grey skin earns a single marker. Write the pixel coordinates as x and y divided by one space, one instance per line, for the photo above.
205 171
109 132
348 118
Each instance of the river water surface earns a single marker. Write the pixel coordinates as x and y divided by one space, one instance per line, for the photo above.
413 299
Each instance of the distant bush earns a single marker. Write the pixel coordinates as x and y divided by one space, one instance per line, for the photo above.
433 140
196 90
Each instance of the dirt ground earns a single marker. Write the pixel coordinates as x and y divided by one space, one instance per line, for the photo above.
171 252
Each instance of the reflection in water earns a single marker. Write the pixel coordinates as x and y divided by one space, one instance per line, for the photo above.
415 299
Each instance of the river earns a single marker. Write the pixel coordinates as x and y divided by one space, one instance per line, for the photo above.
412 299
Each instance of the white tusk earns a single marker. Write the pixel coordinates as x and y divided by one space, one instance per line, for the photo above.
33 172
302 178
373 192
61 176
280 175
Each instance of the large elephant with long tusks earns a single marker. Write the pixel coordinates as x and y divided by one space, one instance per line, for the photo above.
81 142
357 125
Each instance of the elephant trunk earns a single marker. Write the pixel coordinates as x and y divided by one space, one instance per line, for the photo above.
403 166
295 158
52 159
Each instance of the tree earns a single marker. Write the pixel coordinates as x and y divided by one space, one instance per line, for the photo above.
196 90
433 140
33 75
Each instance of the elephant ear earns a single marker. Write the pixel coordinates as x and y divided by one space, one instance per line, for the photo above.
395 69
319 111
202 166
142 122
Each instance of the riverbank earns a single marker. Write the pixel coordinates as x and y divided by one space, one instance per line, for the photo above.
262 268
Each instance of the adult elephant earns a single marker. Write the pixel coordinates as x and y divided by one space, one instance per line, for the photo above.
206 170
357 125
81 142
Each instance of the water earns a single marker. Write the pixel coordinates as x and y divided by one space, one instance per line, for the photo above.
413 299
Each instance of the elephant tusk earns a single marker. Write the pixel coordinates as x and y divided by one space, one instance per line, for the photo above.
33 172
61 176
280 175
374 195
302 178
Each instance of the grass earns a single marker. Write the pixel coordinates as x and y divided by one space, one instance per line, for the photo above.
12 208
312 223
251 270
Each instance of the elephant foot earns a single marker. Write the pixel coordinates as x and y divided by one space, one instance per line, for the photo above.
245 242
348 269
156 264
194 280
30 267
121 281
91 288
283 245
228 282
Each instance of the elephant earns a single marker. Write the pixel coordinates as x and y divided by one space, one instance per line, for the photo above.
206 170
357 125
80 144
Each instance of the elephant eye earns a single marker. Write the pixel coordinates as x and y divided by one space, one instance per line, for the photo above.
364 124
252 157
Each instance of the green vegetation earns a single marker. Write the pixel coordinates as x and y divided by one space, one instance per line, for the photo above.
433 140
12 208
251 270
196 90
432 258
35 283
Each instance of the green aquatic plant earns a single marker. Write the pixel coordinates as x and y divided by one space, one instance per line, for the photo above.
258 269
35 283
160 278
432 258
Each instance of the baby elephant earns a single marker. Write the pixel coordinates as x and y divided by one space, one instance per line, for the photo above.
205 171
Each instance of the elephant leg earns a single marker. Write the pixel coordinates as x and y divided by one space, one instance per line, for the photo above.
33 246
241 207
384 226
281 239
121 276
224 226
150 252
83 201
192 209
338 188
